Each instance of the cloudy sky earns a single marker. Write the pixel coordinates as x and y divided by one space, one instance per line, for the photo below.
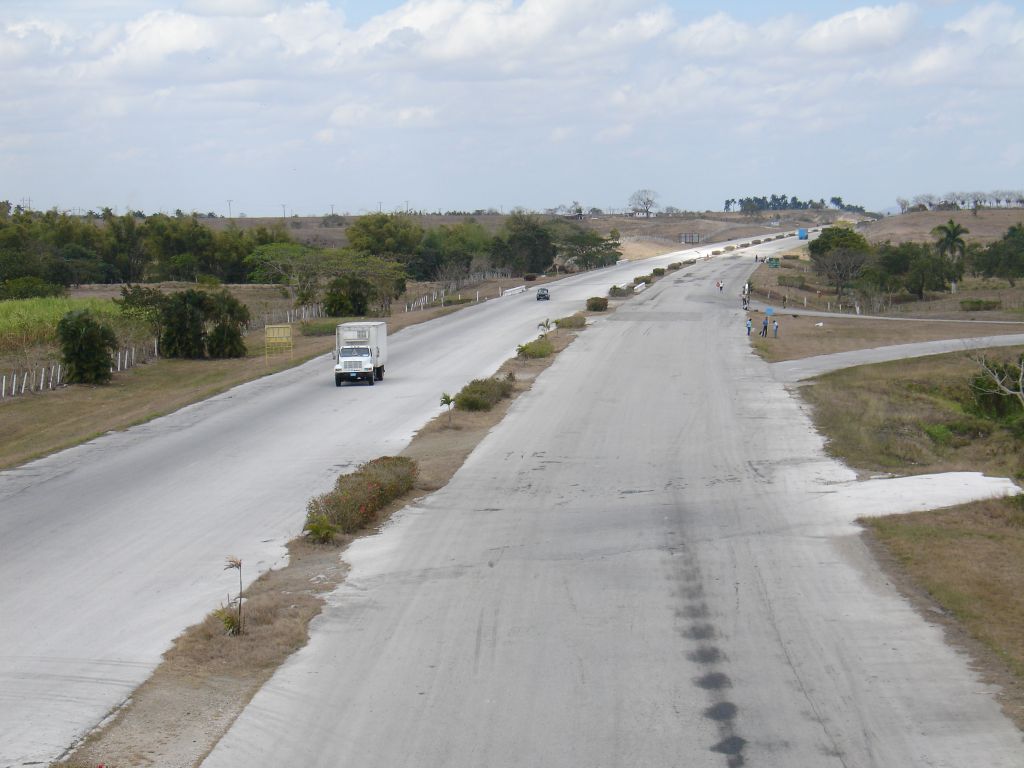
463 104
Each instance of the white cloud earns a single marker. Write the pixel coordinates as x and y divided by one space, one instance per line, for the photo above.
861 29
716 35
229 7
416 115
155 37
350 115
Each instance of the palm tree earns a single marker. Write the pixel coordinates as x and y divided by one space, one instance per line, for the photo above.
448 401
951 242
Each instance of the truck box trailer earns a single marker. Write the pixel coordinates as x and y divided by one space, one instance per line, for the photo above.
360 352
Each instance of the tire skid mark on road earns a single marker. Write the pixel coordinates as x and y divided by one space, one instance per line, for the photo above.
701 634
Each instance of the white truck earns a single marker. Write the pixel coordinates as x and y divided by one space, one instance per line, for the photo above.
360 352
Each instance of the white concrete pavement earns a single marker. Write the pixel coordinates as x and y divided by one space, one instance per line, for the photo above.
110 549
650 562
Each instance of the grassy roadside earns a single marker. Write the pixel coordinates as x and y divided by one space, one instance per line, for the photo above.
961 565
207 678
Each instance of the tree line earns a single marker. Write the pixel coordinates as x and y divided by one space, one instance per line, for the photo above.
776 202
881 273
44 252
956 201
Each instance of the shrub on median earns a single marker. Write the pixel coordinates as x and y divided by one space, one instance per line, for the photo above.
484 394
573 321
357 497
618 292
537 348
597 303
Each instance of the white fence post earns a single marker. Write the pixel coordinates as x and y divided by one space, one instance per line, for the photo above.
24 380
3 389
58 374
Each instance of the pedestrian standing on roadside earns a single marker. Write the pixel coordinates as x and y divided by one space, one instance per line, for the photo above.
750 324
721 286
775 329
764 327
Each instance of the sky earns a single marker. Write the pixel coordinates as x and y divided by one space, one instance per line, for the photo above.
261 107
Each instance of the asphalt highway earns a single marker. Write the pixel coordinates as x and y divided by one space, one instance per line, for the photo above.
650 562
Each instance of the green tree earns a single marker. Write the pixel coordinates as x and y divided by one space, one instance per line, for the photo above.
126 250
347 296
525 244
385 234
928 271
951 244
145 304
229 317
300 267
840 254
184 324
86 347
585 248
1004 258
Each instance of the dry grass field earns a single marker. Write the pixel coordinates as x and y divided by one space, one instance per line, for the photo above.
989 224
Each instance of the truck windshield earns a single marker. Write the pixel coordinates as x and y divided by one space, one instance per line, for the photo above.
355 351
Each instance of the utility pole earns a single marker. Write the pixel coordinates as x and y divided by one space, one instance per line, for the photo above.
332 209
283 214
229 209
379 204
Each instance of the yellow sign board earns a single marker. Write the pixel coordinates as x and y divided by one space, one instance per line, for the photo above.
278 338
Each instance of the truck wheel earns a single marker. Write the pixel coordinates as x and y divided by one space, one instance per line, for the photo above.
337 381
371 379
378 373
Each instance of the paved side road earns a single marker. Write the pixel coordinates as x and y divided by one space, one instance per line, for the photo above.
651 562
809 367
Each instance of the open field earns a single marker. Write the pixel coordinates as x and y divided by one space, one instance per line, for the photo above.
961 565
990 224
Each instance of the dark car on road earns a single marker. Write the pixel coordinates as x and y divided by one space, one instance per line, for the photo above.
543 294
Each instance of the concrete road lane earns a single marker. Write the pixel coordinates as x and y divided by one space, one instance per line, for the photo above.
110 549
650 562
